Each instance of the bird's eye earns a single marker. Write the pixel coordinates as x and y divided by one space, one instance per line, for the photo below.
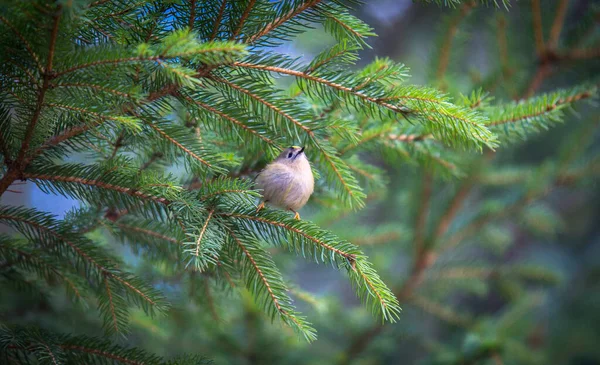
290 155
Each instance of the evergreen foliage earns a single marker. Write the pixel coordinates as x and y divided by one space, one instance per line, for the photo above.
156 115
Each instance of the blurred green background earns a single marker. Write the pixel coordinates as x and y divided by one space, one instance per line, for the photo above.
521 288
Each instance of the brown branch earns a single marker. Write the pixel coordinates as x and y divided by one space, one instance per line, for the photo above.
348 256
245 15
314 67
549 108
536 82
78 180
279 21
265 103
137 59
25 42
25 70
192 14
557 24
258 271
581 54
155 156
320 80
218 20
112 306
453 208
201 235
59 138
146 232
502 43
51 267
93 86
179 145
97 352
16 169
263 278
537 28
449 38
409 137
231 119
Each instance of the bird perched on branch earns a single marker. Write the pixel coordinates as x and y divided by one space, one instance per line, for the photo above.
287 182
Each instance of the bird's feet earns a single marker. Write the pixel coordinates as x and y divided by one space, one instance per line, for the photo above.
260 206
296 215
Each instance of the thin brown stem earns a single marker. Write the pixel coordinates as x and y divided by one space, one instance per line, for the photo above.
323 81
279 21
218 20
245 15
537 27
192 14
557 24
453 209
16 169
450 34
201 235
100 184
25 42
100 353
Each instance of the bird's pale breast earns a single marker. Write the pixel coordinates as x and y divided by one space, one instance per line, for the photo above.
286 187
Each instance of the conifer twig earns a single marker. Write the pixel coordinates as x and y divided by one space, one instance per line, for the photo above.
537 27
279 21
100 184
25 42
450 34
245 14
192 14
16 169
218 20
323 81
557 24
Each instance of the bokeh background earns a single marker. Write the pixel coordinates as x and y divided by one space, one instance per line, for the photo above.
523 288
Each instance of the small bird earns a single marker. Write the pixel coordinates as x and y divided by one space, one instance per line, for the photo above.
287 182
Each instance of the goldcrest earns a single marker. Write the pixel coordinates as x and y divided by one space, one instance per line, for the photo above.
287 182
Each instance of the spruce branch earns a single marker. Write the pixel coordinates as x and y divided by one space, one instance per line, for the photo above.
34 261
537 27
218 20
78 180
300 74
557 24
449 36
268 28
28 46
265 272
17 168
243 18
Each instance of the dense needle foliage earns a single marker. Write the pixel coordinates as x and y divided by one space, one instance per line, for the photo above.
156 116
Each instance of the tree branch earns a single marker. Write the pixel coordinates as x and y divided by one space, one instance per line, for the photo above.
557 24
218 20
320 80
444 60
25 42
16 169
247 11
78 180
279 21
537 27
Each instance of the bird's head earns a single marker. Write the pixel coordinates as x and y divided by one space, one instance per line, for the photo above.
292 156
